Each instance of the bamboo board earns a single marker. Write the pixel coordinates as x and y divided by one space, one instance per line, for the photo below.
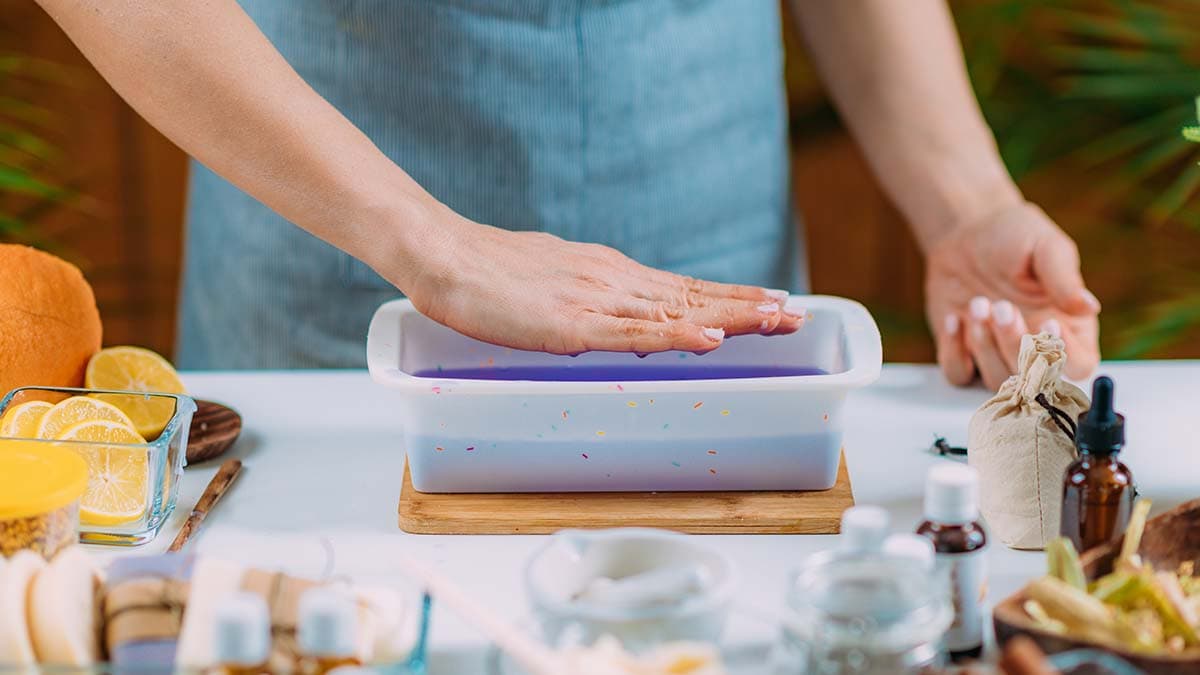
691 512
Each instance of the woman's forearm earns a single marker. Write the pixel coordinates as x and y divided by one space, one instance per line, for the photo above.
896 72
203 74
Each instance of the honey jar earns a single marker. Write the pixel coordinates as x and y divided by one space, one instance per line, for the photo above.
40 487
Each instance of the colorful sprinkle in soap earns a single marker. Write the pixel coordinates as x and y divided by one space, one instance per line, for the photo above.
553 427
584 455
675 464
713 471
440 449
667 426
698 404
599 433
620 388
651 401
682 355
566 413
471 449
825 417
436 390
725 413
712 452
632 404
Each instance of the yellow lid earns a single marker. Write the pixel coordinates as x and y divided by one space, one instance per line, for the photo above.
37 477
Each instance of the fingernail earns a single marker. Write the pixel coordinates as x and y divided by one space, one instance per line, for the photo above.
1052 327
951 324
769 309
778 294
795 312
1091 299
1003 313
980 307
714 334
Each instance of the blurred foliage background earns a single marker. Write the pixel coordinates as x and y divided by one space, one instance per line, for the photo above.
1087 99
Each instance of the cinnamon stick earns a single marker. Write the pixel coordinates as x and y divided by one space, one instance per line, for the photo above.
217 487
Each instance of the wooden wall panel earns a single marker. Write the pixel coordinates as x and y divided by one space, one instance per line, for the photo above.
125 230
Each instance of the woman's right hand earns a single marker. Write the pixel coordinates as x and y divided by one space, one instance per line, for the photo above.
535 291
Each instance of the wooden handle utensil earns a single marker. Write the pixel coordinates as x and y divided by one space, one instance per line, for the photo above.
212 494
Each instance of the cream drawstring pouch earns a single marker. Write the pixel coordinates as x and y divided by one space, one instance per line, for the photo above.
1021 442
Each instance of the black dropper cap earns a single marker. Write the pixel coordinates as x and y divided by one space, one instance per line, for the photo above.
1101 430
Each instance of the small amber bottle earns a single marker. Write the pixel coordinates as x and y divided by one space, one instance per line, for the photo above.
328 630
959 541
242 635
1098 488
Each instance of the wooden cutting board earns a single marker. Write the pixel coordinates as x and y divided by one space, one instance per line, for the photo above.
691 512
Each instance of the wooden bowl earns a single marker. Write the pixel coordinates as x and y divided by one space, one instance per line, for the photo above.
214 429
1170 539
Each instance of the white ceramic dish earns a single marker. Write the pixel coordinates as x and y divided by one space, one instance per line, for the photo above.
482 418
572 559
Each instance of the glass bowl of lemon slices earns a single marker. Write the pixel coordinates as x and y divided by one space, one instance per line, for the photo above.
134 445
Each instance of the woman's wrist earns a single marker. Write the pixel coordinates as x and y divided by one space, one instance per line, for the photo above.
963 199
405 235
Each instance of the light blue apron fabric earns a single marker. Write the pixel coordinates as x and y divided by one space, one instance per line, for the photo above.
657 127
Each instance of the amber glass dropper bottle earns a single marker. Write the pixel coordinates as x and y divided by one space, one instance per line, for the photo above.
242 635
1098 488
328 630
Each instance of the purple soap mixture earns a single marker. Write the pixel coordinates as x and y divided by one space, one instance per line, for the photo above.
618 373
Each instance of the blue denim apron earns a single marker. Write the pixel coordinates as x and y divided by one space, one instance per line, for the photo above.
657 127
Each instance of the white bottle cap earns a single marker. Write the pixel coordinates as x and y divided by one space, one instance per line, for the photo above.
243 631
952 494
863 529
911 547
328 623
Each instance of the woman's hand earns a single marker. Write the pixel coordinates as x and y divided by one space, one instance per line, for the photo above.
535 291
988 284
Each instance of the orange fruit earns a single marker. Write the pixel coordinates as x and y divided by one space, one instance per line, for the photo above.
49 324
136 369
79 409
21 421
118 475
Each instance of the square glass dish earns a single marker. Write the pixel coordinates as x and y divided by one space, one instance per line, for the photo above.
132 487
757 413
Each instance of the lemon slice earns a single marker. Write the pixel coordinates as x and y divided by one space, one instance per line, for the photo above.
79 409
136 369
118 477
21 421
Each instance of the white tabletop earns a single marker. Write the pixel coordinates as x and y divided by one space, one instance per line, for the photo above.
323 465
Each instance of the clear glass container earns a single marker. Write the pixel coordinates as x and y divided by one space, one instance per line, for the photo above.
868 615
162 458
40 489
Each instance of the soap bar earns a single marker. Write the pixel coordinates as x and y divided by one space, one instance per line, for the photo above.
212 581
144 604
16 576
62 610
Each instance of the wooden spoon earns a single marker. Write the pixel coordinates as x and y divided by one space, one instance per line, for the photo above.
214 429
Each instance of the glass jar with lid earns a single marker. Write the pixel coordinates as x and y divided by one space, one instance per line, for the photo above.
40 487
868 615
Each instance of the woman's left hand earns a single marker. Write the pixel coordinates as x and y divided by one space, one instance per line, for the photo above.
988 284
